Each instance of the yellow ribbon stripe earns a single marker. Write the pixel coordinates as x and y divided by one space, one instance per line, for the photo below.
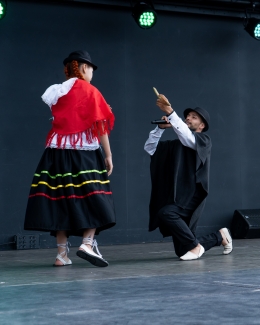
79 185
70 174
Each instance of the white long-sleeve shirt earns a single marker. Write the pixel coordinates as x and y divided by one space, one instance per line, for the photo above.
184 134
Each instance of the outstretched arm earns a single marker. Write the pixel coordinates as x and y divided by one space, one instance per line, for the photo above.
184 134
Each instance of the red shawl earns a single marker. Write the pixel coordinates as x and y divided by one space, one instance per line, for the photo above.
82 110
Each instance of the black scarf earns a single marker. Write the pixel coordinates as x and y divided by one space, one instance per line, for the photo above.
175 171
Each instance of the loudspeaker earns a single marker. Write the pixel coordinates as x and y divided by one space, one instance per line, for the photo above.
27 241
246 224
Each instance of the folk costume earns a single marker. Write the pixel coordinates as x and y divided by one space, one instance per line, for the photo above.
180 183
70 189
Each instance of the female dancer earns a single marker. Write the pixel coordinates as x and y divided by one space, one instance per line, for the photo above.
70 193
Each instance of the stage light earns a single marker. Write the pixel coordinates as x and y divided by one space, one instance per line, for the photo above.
144 14
252 26
2 9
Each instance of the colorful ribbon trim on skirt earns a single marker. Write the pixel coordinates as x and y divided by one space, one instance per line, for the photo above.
70 174
64 186
70 196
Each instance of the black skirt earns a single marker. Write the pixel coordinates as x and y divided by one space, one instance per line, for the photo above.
70 191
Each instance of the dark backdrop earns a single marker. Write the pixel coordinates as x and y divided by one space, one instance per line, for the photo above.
194 60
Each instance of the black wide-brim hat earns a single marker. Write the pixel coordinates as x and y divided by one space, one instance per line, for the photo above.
202 112
80 56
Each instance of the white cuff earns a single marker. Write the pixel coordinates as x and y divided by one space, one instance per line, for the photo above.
54 92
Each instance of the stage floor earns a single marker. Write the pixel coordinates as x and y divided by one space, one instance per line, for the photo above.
144 284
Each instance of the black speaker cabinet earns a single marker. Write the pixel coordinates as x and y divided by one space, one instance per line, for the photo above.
246 224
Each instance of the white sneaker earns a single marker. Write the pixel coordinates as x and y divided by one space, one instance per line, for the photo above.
229 247
61 255
191 256
62 260
89 255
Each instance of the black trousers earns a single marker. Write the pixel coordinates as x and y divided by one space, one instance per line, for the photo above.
183 238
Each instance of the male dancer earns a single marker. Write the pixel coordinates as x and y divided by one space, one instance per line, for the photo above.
180 181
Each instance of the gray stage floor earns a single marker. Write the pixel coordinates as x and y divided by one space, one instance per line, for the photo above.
144 284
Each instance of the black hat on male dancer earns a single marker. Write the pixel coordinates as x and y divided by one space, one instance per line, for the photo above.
180 181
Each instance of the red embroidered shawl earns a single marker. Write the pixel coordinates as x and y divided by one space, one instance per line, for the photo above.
82 110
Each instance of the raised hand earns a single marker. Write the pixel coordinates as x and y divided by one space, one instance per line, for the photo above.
164 104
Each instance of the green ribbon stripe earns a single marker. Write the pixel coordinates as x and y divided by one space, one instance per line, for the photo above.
70 174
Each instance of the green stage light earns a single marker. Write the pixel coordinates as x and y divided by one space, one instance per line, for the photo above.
2 9
257 31
252 26
144 15
147 19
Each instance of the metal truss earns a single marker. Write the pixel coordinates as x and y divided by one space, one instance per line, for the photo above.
228 8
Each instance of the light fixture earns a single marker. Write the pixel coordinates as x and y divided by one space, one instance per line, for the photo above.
144 14
252 26
2 9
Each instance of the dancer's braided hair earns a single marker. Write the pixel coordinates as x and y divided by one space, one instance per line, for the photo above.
71 70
